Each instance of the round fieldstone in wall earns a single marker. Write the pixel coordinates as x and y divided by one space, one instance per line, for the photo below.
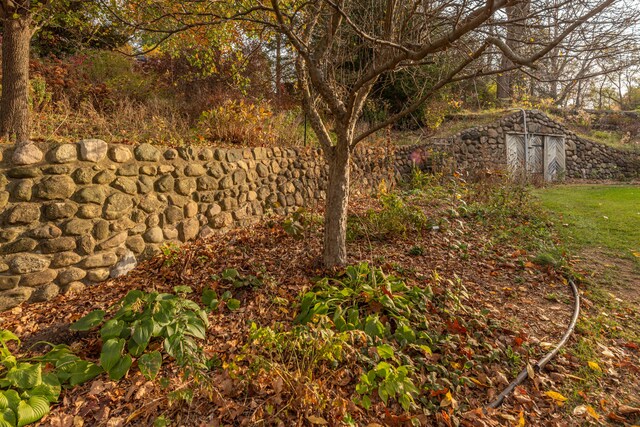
117 205
38 278
120 154
14 297
147 153
44 293
92 150
24 213
93 194
28 263
20 245
23 190
48 231
64 153
55 187
154 235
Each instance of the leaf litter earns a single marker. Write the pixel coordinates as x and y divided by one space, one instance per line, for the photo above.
501 283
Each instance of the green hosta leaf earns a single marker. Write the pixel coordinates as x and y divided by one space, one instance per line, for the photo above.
121 368
383 370
385 351
89 321
210 299
25 376
32 410
189 305
112 329
6 336
373 327
142 332
7 418
49 389
164 313
196 328
182 289
111 353
132 297
150 364
83 371
9 399
233 304
230 274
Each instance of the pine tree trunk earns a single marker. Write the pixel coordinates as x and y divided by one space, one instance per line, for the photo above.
335 219
14 102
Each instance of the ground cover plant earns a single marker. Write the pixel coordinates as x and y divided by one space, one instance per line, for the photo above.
424 327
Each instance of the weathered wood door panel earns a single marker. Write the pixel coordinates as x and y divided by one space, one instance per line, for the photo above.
535 154
544 155
515 153
555 158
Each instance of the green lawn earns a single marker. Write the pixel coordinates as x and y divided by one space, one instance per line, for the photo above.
603 216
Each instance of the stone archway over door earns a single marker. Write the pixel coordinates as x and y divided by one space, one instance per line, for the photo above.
545 155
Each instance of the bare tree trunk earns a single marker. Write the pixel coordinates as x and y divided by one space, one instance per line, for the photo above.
335 219
14 102
515 36
14 106
278 70
503 82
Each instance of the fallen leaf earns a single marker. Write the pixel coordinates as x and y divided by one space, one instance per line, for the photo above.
521 422
580 410
317 420
448 401
628 410
615 417
557 397
530 371
594 366
592 413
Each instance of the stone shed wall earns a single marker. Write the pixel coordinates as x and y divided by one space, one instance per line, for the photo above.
484 147
91 210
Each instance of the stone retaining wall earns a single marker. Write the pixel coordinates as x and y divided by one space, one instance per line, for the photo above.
484 147
91 210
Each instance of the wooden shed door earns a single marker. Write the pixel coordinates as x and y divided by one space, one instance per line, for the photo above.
555 157
545 155
515 153
535 155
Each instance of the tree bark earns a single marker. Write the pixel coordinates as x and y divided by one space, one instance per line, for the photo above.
335 219
278 71
14 103
515 32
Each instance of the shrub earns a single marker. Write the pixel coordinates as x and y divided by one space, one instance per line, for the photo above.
396 218
250 124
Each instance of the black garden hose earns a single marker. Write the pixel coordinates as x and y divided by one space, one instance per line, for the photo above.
542 362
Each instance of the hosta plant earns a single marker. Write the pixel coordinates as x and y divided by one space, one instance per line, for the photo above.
27 389
144 323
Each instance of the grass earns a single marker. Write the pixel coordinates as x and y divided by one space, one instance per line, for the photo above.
615 139
601 217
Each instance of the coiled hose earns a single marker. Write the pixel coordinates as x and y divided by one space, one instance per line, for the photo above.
542 362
